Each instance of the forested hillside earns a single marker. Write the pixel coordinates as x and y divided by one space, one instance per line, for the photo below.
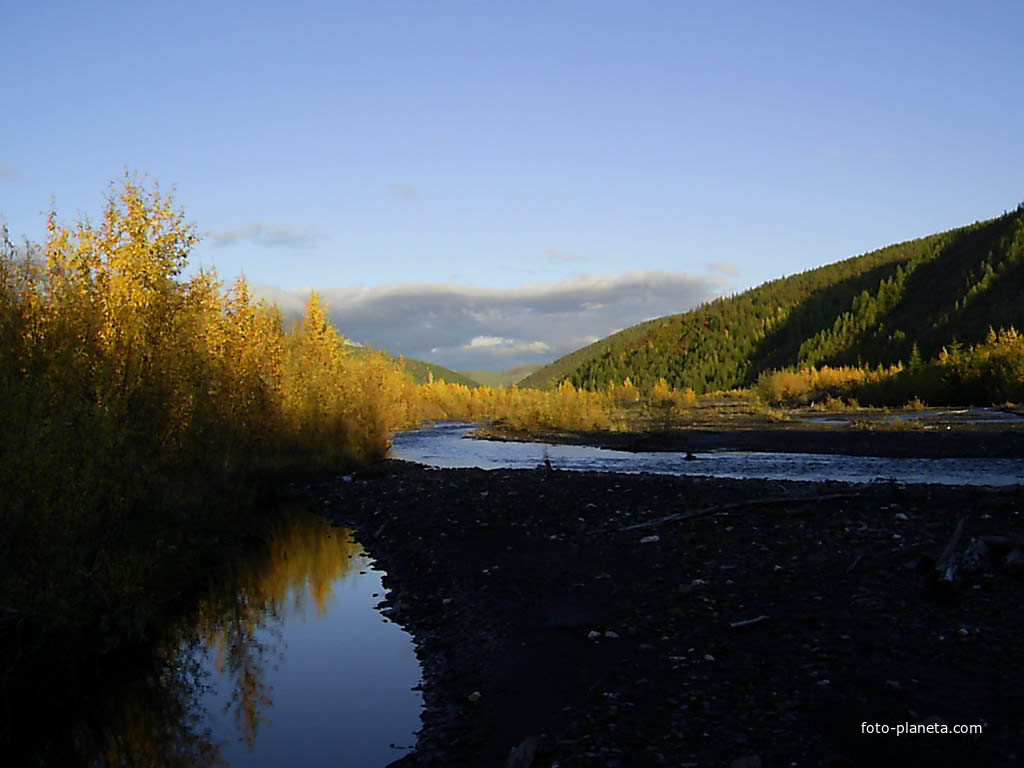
901 303
422 371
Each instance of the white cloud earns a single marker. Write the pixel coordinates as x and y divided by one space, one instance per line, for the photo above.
466 328
495 345
486 341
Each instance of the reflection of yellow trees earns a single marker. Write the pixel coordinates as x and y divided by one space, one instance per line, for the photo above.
240 618
307 554
156 717
155 722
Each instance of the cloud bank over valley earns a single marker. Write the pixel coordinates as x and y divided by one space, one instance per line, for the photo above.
474 328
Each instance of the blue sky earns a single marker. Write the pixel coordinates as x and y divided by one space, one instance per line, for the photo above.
659 153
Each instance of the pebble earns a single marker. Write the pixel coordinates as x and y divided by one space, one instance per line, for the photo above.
475 696
650 539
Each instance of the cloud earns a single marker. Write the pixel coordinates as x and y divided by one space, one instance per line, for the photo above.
404 191
496 345
725 269
9 173
559 255
475 328
262 235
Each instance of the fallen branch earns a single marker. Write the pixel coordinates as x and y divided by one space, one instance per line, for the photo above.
947 565
748 622
737 505
950 550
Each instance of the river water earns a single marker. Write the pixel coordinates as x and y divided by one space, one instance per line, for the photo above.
451 445
284 662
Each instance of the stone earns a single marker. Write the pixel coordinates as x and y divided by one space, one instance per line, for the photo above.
522 756
975 558
1014 562
650 539
997 545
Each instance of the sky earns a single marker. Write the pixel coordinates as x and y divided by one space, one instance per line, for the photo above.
488 184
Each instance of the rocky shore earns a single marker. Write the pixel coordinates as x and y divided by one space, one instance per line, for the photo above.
585 619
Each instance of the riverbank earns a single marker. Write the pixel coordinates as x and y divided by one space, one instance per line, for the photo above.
766 626
732 426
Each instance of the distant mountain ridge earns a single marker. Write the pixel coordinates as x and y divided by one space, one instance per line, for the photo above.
882 307
506 378
422 371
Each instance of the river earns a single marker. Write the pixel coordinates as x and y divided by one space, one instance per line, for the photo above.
451 445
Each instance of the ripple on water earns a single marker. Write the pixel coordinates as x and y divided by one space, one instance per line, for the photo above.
450 446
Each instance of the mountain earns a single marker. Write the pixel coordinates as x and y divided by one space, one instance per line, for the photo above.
421 370
913 298
501 378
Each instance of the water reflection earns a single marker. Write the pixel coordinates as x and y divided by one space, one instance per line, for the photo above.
148 715
242 620
284 659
